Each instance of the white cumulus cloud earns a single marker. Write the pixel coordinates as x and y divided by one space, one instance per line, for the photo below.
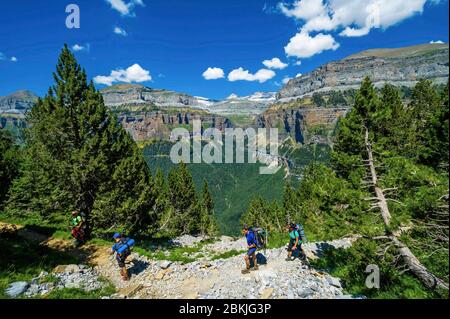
124 8
81 47
13 59
354 17
302 45
348 18
213 74
437 42
304 9
120 31
275 63
240 74
134 73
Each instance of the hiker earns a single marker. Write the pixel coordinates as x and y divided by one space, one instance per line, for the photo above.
78 227
122 249
294 241
251 249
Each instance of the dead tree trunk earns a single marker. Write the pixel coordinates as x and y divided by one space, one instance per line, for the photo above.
381 199
419 270
411 261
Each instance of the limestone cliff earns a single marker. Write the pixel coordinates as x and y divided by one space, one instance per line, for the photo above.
401 67
158 124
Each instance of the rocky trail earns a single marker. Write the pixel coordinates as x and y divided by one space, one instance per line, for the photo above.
205 278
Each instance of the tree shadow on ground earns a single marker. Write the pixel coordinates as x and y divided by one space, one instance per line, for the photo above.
138 267
322 249
33 244
20 258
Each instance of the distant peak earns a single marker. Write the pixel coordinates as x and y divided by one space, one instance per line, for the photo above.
23 94
232 96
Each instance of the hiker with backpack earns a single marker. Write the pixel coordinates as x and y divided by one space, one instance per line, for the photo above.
296 238
122 249
252 245
78 225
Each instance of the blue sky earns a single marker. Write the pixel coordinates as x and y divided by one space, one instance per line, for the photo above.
174 42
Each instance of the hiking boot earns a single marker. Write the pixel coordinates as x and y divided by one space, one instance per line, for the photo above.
288 259
245 271
255 268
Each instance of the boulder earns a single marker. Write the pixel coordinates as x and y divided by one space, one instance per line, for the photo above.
33 290
165 264
60 269
334 282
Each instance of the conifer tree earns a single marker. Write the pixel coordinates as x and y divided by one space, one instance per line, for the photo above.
394 182
290 203
428 113
161 201
349 147
9 163
207 219
184 200
390 118
79 157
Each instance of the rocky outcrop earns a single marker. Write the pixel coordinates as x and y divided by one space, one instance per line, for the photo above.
17 103
298 123
63 276
12 121
132 94
401 67
157 124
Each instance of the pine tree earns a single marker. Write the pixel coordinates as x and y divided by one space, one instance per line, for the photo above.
184 200
161 202
163 208
394 182
207 219
390 118
290 203
423 112
430 111
79 157
9 163
349 148
257 214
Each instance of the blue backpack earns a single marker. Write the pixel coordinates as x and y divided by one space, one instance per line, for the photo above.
125 248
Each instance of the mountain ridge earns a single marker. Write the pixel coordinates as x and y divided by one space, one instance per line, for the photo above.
403 66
